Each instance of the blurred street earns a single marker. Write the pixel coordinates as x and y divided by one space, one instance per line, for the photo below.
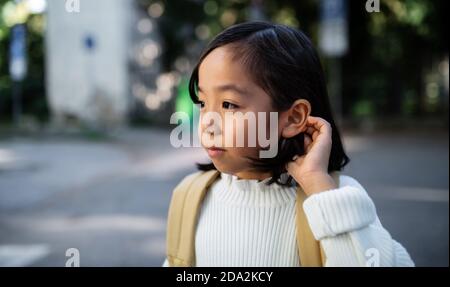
109 198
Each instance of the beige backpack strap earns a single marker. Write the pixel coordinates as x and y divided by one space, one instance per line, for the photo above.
182 219
310 251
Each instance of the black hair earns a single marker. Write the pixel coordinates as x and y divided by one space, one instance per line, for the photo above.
284 63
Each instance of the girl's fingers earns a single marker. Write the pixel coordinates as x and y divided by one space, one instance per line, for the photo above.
317 127
311 132
316 124
308 143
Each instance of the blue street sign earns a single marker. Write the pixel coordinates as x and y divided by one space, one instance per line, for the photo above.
333 38
333 9
17 53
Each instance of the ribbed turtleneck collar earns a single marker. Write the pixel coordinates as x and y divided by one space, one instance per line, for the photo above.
251 192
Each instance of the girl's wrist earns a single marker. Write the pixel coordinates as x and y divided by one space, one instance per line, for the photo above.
317 182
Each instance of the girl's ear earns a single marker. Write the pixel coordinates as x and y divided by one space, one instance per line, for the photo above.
293 121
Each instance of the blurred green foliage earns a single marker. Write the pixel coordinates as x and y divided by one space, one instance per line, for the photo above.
391 53
387 71
34 101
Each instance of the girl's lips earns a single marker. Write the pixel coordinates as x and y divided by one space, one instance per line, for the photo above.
215 152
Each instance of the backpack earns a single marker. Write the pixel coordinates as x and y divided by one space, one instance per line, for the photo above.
184 208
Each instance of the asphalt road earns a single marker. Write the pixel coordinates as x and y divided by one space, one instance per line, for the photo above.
109 198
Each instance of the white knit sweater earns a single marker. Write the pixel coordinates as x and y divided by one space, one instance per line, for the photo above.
247 223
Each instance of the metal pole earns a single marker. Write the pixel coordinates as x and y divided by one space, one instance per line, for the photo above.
16 102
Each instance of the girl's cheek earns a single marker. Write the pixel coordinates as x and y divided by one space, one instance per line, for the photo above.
231 132
244 133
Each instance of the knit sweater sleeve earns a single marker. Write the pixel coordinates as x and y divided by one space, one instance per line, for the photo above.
346 223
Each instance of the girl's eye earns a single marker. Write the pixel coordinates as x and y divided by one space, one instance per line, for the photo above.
201 103
229 106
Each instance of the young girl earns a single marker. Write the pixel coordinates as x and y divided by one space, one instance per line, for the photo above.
247 217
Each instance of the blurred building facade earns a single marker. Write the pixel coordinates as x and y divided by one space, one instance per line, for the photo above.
87 70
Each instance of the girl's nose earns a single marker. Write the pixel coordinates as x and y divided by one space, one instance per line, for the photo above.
212 129
210 126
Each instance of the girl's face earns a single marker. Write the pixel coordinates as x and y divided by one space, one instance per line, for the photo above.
225 86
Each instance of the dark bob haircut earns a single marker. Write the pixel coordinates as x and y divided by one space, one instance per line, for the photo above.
284 63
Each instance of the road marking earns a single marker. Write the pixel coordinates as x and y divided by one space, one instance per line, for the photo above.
22 255
422 194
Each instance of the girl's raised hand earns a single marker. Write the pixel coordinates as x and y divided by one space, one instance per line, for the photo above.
311 169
